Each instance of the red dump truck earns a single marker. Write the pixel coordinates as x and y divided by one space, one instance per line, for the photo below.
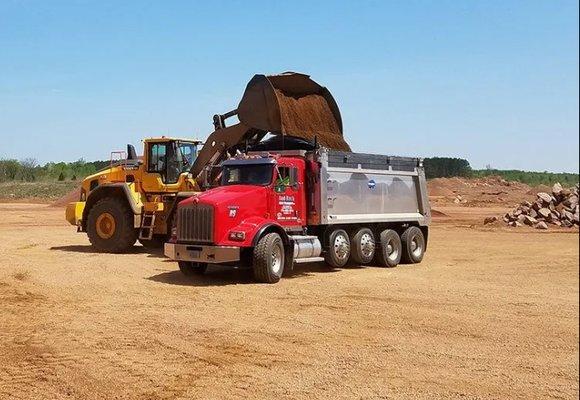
277 208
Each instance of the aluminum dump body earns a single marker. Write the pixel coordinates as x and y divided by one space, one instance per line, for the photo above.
369 188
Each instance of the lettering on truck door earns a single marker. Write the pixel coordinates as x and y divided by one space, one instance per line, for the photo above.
288 197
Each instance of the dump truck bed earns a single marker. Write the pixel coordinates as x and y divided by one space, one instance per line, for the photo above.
368 188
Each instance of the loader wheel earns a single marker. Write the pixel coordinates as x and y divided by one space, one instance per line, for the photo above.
363 246
389 252
338 249
110 226
268 258
413 243
190 268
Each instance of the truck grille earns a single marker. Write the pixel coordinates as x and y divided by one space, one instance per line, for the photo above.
195 223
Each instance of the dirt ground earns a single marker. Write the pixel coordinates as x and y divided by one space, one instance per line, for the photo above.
490 313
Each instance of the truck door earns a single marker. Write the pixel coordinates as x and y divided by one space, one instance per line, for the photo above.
289 196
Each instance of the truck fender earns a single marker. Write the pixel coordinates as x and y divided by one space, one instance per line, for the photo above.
271 227
109 190
288 242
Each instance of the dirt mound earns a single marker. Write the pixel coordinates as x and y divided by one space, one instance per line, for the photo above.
302 116
488 191
71 196
438 214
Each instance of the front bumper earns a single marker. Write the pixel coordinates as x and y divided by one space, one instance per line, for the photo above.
74 212
202 253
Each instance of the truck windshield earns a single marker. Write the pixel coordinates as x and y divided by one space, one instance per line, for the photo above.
247 174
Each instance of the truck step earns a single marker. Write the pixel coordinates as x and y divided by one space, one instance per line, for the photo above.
308 260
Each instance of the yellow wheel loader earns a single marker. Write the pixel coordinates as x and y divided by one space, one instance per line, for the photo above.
135 198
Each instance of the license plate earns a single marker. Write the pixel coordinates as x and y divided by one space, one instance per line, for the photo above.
194 253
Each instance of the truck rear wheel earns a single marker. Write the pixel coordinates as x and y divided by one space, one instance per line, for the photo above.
190 268
363 246
413 243
389 251
268 258
110 226
338 249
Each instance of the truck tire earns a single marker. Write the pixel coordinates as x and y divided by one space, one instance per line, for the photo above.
338 249
363 246
190 268
388 253
110 226
268 258
413 243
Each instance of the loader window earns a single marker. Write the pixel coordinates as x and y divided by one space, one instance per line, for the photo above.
157 158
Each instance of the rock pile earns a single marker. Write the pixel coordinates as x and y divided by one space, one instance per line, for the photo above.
559 208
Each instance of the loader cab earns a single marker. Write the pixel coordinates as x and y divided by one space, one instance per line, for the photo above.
166 163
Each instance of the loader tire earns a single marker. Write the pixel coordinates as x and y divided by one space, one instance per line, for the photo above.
338 251
413 243
268 258
110 226
389 251
190 268
363 246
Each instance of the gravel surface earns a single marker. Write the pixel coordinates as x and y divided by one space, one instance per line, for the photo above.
490 313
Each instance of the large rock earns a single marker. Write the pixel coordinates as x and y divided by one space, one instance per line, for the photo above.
557 189
489 220
545 197
530 220
542 225
544 212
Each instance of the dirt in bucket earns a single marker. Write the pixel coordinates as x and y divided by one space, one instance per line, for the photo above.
309 116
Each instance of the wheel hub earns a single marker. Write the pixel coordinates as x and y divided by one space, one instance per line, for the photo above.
341 247
106 225
392 252
276 259
367 245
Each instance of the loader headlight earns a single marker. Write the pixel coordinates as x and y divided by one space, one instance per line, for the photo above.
237 236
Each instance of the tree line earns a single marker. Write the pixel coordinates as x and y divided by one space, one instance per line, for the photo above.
28 170
447 167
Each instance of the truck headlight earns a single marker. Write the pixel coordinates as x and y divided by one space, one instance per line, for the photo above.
237 236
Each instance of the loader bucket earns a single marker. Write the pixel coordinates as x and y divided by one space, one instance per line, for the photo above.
292 104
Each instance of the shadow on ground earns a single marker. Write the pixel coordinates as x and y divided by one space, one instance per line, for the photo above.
88 249
217 275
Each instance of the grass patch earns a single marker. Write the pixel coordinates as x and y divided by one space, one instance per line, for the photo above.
35 190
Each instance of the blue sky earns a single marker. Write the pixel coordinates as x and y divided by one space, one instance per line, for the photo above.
495 82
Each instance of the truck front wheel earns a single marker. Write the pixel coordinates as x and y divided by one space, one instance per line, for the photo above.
338 249
268 258
413 243
110 226
190 268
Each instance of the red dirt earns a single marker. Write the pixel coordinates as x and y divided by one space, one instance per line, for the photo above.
486 192
68 198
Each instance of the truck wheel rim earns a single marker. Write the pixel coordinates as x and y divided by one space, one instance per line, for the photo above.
341 247
392 251
367 245
106 225
416 247
276 259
